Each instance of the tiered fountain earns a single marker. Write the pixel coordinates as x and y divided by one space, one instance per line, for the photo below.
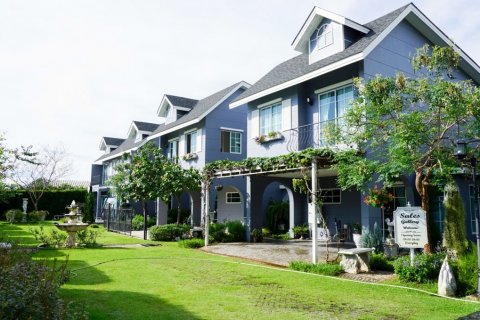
73 224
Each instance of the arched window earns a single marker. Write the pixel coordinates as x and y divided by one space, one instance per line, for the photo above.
324 36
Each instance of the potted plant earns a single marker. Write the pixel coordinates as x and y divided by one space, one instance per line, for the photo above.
378 197
357 234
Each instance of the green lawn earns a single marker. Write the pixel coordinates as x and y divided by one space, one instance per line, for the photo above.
169 282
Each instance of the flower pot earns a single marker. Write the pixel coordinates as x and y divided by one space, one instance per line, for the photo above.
357 239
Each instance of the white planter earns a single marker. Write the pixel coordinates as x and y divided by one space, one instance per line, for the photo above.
357 239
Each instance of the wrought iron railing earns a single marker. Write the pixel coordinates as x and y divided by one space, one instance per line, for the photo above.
117 219
316 135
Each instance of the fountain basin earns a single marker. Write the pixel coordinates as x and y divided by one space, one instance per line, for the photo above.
72 230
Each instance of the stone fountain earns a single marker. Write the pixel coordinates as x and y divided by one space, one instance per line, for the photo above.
73 224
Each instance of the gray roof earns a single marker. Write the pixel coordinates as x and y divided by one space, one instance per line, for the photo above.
113 141
199 108
181 101
299 65
145 126
126 145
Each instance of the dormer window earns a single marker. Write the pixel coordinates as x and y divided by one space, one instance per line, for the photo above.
324 36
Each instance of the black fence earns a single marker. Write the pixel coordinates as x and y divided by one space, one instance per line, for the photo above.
118 219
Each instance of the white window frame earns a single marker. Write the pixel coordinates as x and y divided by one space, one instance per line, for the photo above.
322 197
177 141
333 89
230 140
232 192
324 36
270 106
188 135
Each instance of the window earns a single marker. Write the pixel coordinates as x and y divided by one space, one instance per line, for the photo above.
173 149
331 196
332 107
231 141
473 213
438 215
324 36
191 142
271 119
233 197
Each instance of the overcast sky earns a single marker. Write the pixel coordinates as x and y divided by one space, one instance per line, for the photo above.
74 71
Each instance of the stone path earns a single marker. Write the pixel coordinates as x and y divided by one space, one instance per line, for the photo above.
282 253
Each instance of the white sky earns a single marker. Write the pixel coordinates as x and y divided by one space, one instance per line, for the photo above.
74 71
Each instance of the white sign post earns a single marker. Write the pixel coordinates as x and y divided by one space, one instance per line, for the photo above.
410 228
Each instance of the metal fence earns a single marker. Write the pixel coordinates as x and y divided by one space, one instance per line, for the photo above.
118 219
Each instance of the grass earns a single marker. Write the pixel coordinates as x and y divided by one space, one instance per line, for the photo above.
21 235
170 282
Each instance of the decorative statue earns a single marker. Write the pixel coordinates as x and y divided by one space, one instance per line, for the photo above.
390 227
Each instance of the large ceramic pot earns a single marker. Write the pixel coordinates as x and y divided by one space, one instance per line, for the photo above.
357 239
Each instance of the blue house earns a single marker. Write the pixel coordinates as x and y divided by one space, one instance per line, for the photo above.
191 132
291 106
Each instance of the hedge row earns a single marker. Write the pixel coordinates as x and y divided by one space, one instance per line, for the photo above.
53 201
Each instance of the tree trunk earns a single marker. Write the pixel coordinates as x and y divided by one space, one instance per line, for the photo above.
178 209
422 185
145 219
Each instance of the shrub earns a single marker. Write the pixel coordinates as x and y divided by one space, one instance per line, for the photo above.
14 215
168 232
378 261
36 216
192 243
54 239
257 235
328 269
266 232
88 237
217 232
465 270
137 222
454 234
426 267
30 289
235 231
301 231
372 239
281 236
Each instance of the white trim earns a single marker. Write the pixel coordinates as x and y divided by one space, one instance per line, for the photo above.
230 192
199 118
338 85
230 129
173 139
189 131
164 99
267 104
182 108
305 77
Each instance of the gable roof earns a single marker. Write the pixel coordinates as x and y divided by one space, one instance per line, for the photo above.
112 141
202 108
181 101
300 43
298 69
145 126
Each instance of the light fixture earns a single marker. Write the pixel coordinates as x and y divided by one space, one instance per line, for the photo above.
310 101
460 150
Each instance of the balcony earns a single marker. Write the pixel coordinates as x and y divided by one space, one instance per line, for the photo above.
316 135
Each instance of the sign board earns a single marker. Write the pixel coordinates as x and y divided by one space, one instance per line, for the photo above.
410 227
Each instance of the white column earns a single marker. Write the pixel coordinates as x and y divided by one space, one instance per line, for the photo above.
248 207
315 213
206 210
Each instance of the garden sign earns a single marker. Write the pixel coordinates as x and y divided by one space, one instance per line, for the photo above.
410 227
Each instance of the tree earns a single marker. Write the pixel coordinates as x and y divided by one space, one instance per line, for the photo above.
139 177
35 172
177 180
403 125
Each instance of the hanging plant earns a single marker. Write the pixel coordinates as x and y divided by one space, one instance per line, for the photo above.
378 197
